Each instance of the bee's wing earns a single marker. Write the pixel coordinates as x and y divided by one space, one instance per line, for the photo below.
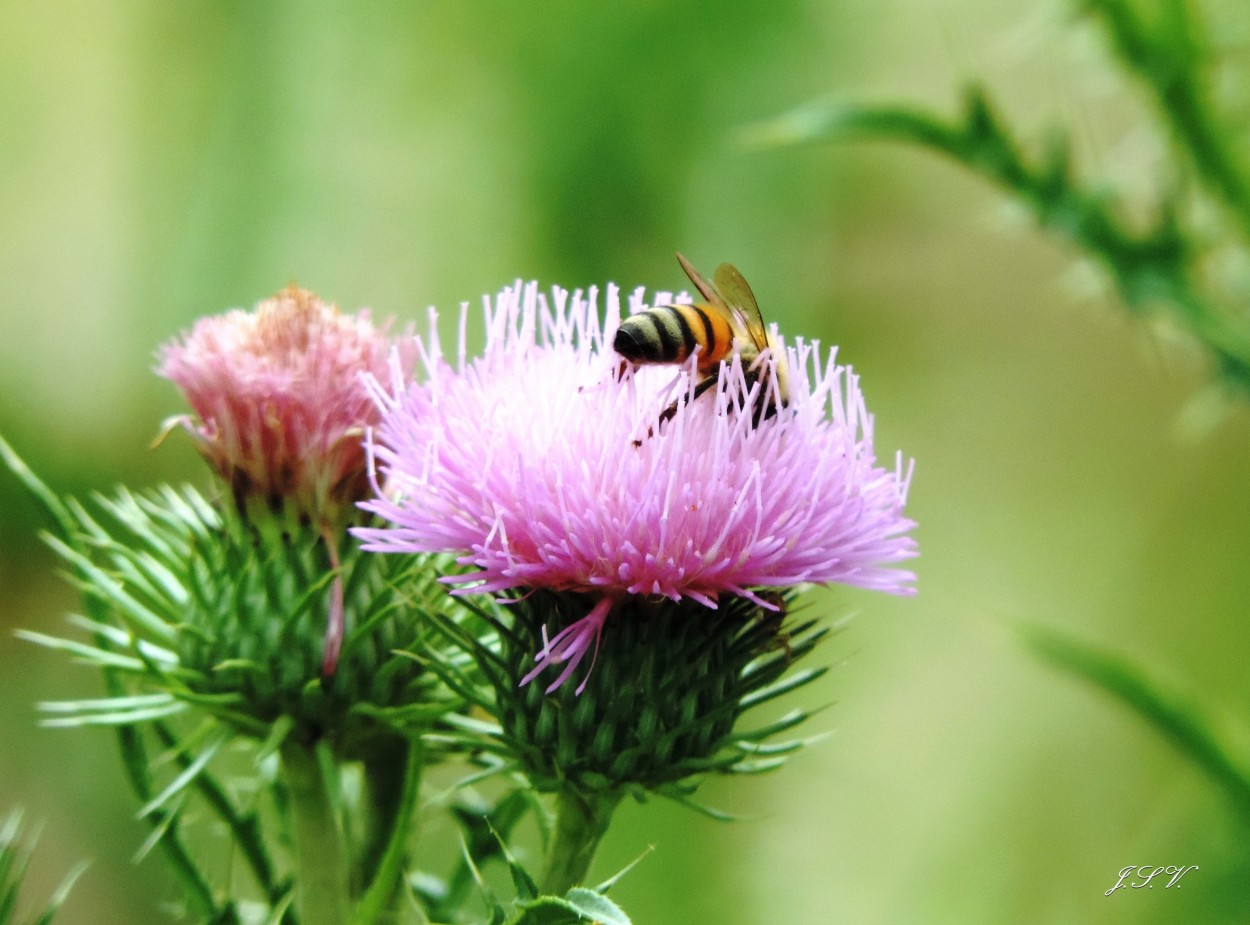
707 290
737 294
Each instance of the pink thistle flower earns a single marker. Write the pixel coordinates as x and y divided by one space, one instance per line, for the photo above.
281 409
544 468
279 401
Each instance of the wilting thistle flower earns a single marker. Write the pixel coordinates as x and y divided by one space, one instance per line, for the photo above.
545 470
280 409
249 608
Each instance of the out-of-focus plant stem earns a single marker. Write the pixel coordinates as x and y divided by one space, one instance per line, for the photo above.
1168 59
392 781
1152 268
1156 268
323 877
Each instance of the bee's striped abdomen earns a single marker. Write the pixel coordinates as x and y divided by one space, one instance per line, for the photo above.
669 334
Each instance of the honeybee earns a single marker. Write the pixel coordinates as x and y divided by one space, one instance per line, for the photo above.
727 323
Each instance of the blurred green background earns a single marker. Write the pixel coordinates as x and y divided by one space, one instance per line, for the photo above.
161 161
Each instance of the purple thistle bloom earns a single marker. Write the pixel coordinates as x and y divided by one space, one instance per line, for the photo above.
545 468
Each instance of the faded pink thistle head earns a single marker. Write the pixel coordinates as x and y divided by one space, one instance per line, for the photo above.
545 470
279 401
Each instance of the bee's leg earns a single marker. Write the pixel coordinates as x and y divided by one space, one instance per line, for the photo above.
671 411
764 407
665 416
703 386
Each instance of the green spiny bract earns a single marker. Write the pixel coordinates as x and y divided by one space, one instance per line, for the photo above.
669 682
211 611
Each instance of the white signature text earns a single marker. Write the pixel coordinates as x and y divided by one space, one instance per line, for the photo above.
1139 877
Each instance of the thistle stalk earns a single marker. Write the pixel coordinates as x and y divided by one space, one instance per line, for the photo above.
581 821
322 875
392 780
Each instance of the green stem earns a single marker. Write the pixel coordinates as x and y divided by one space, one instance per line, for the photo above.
393 778
1147 267
322 875
581 821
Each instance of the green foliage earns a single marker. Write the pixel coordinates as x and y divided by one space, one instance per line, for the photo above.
210 635
1173 58
14 862
120 658
1161 266
486 829
1181 721
575 906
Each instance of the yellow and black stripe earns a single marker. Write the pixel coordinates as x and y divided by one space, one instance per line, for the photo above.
669 334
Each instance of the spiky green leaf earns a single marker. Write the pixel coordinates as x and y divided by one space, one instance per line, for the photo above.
1174 715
